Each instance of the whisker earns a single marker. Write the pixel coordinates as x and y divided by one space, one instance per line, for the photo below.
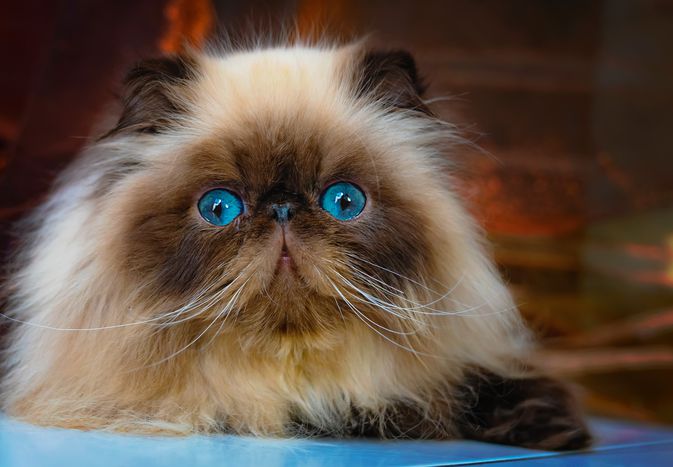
418 308
226 312
361 315
371 300
197 301
196 339
97 328
211 300
203 306
401 276
401 293
410 349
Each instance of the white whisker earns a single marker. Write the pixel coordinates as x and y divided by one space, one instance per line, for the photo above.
417 308
366 320
197 338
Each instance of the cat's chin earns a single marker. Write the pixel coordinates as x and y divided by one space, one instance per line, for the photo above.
289 333
290 308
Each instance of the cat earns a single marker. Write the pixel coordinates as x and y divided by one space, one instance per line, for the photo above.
269 242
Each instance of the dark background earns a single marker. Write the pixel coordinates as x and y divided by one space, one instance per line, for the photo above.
571 103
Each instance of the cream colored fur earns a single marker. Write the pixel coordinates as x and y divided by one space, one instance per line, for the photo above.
82 352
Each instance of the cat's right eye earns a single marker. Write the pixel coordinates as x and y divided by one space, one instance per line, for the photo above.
220 207
343 201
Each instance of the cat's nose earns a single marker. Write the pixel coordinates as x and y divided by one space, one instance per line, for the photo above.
282 212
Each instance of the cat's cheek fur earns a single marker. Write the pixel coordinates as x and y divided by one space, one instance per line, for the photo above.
169 345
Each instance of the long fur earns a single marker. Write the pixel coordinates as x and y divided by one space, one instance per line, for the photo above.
122 323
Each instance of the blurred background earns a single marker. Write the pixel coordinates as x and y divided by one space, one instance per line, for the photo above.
571 103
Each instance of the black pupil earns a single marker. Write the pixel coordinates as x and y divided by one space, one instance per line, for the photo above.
344 201
217 208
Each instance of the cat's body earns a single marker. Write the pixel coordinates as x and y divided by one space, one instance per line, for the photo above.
133 313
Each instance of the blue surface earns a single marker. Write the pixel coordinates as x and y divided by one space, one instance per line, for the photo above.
620 444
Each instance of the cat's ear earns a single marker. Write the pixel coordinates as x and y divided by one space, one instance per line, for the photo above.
153 94
392 78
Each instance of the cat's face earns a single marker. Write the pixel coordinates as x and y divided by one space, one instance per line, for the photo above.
290 206
291 211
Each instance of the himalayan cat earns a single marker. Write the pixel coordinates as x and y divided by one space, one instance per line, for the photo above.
268 242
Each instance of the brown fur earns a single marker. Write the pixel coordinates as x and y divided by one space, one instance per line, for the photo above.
132 313
533 412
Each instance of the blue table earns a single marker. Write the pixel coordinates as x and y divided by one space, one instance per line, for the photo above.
620 444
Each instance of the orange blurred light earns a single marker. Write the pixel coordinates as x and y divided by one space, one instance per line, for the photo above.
188 22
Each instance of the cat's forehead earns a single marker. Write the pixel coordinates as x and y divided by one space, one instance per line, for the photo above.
294 115
260 157
292 86
282 115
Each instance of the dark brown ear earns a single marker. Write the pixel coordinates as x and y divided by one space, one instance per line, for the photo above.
392 77
151 89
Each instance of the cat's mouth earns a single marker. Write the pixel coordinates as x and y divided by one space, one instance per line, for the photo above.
286 262
290 294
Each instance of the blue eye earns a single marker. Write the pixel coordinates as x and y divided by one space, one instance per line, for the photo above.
343 201
220 207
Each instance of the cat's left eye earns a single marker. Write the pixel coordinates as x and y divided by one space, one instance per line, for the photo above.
343 200
220 207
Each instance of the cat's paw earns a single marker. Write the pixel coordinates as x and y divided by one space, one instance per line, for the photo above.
537 413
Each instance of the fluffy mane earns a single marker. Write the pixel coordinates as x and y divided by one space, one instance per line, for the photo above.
129 314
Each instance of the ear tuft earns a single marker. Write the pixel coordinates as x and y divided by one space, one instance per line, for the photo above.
392 77
151 93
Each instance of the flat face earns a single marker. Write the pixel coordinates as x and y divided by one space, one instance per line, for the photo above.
273 243
276 132
621 444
